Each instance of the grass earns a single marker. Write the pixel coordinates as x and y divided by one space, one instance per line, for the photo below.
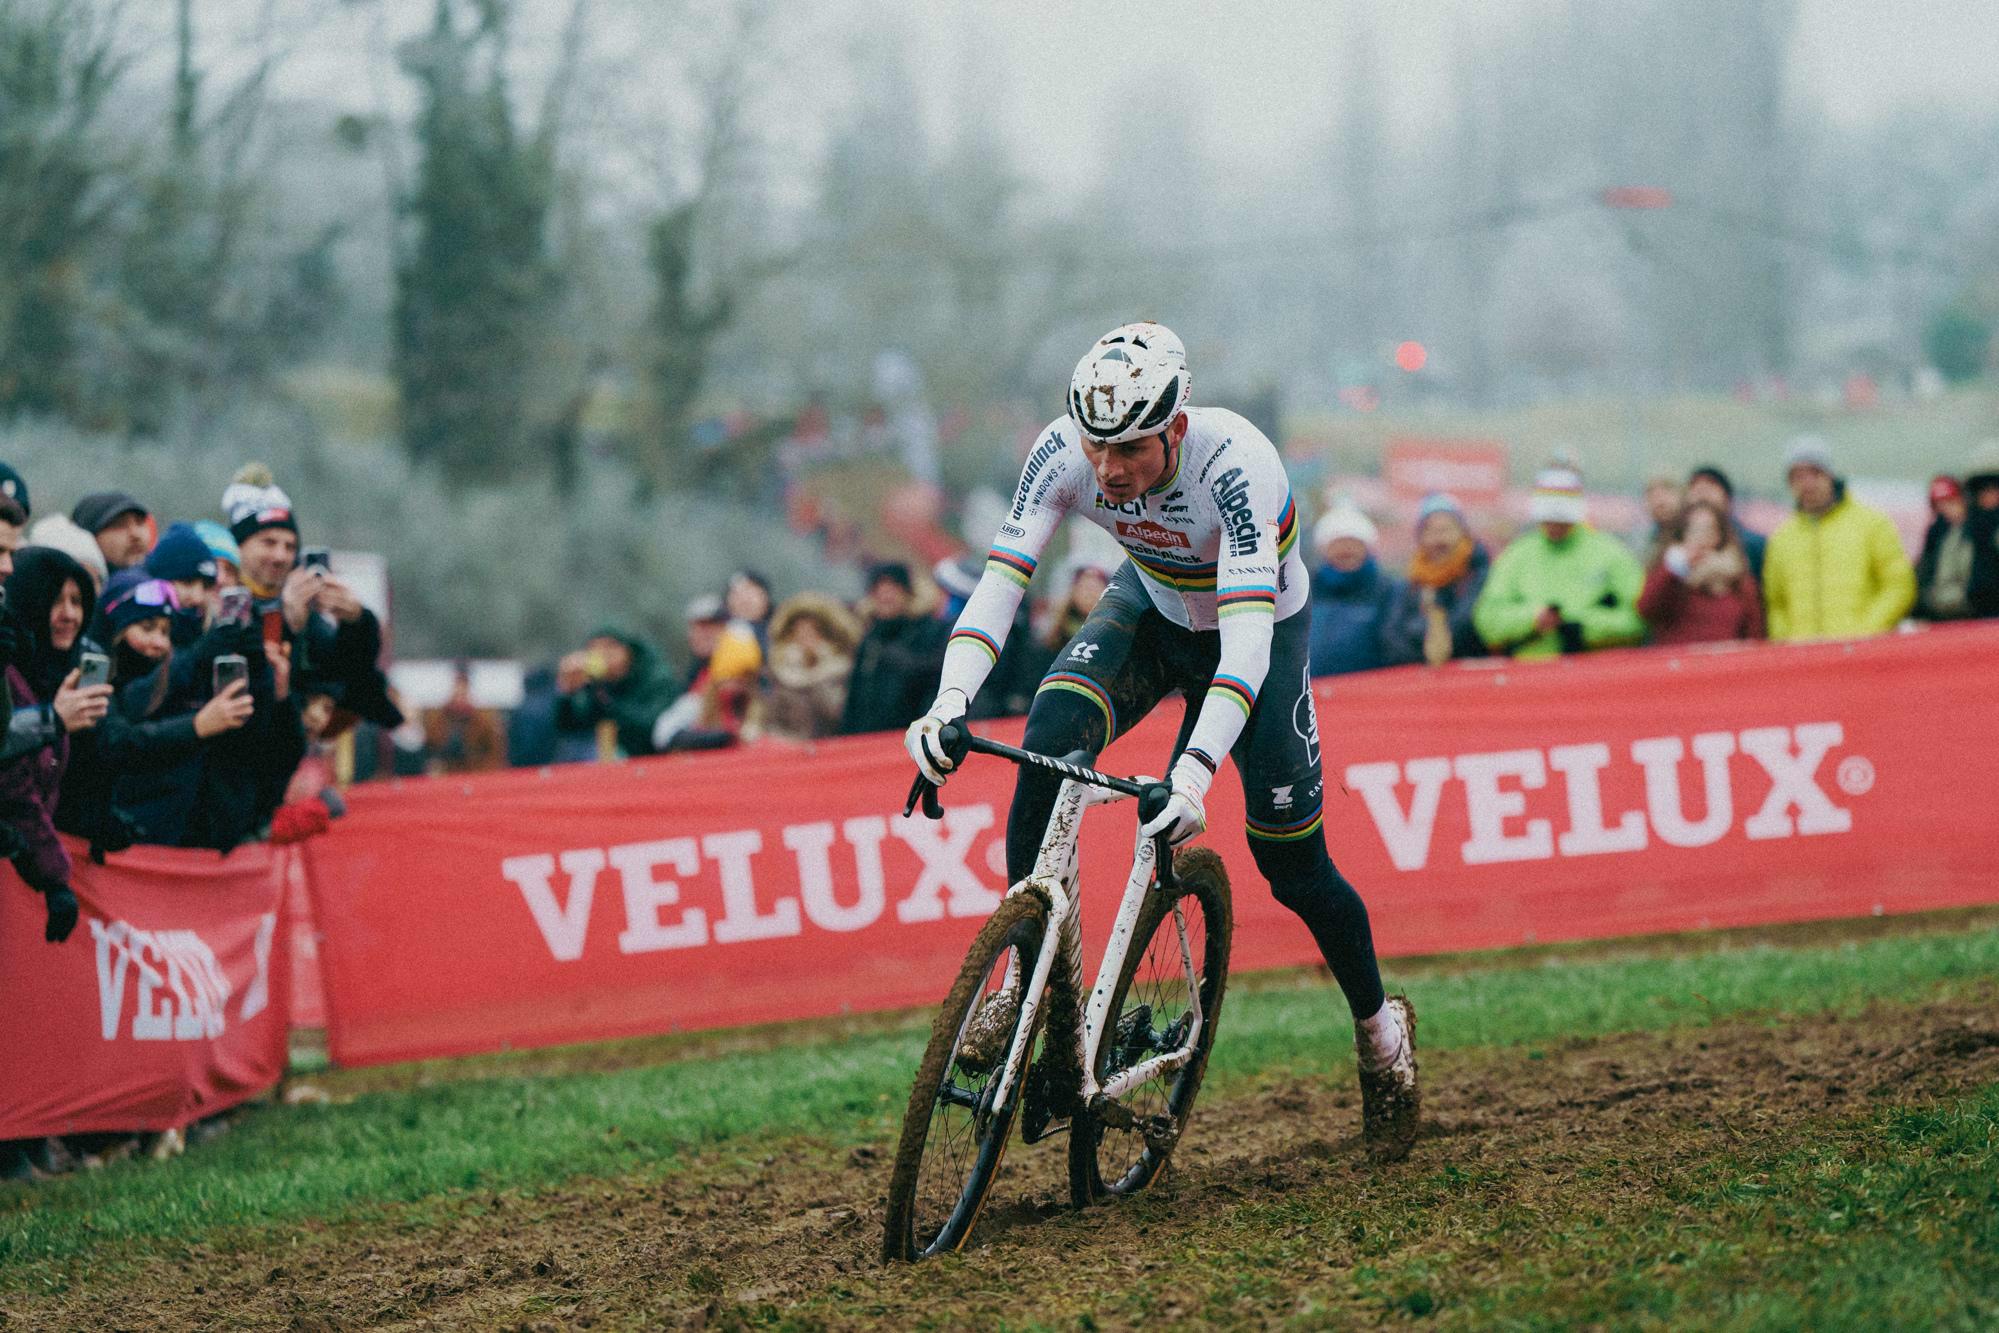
1882 1221
282 1166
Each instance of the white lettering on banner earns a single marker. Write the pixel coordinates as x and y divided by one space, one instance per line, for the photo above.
181 997
946 885
563 924
1408 839
1794 781
731 853
258 997
1586 834
943 853
1660 757
1490 807
1495 787
644 932
812 845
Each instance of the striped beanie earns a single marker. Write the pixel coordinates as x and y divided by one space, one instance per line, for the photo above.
1558 496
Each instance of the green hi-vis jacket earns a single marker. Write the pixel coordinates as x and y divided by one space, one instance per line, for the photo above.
1591 578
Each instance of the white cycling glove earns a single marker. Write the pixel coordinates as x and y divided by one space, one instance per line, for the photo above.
1185 814
921 738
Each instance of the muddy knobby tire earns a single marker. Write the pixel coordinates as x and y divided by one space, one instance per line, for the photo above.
1106 1164
922 1221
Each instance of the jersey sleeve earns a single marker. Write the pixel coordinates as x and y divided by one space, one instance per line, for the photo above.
1044 496
1250 504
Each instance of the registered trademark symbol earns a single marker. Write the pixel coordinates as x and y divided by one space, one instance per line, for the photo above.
1856 776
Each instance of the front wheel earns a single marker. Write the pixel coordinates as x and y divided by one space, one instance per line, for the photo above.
1180 949
953 1136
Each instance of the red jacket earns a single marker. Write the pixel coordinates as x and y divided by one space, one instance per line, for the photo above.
1678 612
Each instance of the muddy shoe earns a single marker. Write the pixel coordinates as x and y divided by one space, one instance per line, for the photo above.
1389 1097
990 1032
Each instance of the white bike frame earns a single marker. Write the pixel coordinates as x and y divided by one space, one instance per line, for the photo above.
1054 880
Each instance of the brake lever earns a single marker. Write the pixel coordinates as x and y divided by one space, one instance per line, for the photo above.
1162 870
925 790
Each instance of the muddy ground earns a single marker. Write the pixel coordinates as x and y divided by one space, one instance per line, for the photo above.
796 1228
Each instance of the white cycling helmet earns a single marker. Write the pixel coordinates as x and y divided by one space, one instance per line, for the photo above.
1130 384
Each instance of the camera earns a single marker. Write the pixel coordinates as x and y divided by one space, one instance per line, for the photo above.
316 557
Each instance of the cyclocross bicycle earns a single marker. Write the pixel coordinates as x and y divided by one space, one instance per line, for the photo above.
1119 1068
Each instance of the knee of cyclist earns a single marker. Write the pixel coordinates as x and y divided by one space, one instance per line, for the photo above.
1289 865
1059 725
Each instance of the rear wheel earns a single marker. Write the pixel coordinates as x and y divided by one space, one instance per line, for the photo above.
1180 949
953 1136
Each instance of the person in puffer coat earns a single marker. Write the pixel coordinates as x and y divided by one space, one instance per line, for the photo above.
812 643
1836 568
1350 594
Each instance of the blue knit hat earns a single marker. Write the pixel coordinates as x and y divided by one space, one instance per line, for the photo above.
133 595
1440 502
220 544
181 554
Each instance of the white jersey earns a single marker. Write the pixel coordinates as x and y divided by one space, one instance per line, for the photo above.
1229 482
1215 545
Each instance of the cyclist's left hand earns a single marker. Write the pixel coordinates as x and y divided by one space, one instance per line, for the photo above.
1185 815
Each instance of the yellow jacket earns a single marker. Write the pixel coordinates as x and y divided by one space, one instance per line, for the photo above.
1840 575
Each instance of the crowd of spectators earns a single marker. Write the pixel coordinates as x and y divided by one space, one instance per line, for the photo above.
162 687
1835 568
164 683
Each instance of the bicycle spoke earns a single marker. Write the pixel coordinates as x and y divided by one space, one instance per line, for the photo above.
961 1121
1157 1018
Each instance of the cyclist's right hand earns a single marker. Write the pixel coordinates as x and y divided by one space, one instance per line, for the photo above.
922 742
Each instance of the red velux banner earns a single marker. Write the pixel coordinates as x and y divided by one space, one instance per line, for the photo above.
167 1003
1478 806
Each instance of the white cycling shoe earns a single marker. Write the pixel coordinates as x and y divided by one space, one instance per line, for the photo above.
1390 1100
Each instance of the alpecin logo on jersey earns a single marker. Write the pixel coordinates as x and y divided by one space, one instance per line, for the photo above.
1232 499
1152 534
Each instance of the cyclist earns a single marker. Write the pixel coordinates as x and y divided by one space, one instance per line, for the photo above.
1213 600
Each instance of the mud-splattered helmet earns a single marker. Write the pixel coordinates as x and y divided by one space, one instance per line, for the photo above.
1130 384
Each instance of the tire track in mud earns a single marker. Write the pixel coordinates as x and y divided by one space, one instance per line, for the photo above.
749 1226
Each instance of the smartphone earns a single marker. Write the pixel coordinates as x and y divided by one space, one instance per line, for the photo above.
232 606
316 557
94 669
230 668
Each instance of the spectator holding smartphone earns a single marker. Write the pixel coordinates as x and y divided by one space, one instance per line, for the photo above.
1563 587
329 642
48 594
136 736
1700 589
617 678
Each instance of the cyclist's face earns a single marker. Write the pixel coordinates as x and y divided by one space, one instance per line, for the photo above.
1128 470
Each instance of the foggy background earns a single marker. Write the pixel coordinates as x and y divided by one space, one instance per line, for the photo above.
662 287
